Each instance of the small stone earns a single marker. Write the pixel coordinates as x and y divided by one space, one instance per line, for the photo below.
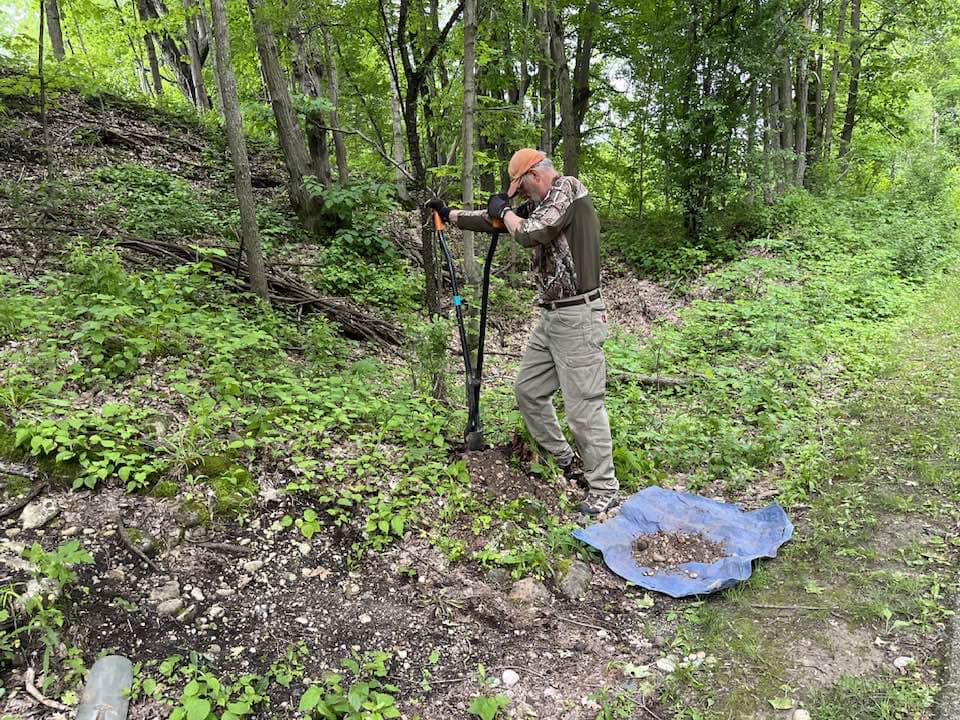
693 575
302 620
510 678
577 579
351 590
38 513
800 714
603 634
225 591
89 531
197 594
188 614
71 531
902 663
304 548
365 619
530 591
659 557
11 532
170 607
215 611
500 578
666 664
252 566
167 591
117 574
214 649
189 514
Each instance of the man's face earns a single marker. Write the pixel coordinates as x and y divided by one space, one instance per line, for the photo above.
530 184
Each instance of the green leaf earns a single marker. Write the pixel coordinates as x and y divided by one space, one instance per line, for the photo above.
487 707
309 700
197 708
781 703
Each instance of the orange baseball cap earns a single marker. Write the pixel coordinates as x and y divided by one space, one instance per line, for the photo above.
522 160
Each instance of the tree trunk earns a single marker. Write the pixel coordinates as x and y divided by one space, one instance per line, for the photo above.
800 149
569 131
786 122
190 11
771 143
749 160
54 30
396 124
816 102
581 70
469 103
333 88
827 130
238 150
148 41
546 82
850 115
291 138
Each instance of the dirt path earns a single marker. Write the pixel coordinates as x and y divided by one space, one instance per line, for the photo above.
851 621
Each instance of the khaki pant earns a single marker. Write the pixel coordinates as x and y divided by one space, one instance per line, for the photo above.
565 353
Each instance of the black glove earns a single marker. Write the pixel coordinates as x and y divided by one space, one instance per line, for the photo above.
524 210
497 206
441 209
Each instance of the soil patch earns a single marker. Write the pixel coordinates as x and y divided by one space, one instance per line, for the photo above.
667 550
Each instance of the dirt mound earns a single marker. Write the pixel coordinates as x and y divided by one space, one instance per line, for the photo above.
667 550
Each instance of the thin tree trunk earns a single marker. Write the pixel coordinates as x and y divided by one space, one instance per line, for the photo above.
291 138
238 150
749 160
581 71
568 128
396 124
827 140
850 114
143 12
771 142
54 31
333 88
469 103
786 113
800 149
546 82
190 11
816 102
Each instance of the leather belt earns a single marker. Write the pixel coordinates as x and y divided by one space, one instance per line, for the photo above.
582 300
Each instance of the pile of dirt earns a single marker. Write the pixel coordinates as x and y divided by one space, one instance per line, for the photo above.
669 550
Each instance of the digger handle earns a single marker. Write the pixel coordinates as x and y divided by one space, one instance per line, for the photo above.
498 225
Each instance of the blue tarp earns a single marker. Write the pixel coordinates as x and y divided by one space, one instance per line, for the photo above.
744 535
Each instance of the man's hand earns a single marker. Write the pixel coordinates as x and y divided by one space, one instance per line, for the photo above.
440 207
497 206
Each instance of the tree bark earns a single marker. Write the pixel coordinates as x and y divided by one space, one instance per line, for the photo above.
749 151
148 41
787 120
569 132
581 70
238 150
396 124
800 148
190 12
850 114
547 119
333 88
292 141
816 102
469 103
827 130
54 29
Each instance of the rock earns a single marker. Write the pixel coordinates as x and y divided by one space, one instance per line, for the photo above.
170 607
365 619
800 715
215 611
47 587
510 678
188 614
530 591
214 649
142 541
165 592
225 591
189 514
902 663
38 513
666 664
252 566
576 581
11 532
197 594
305 548
500 578
659 557
351 590
71 531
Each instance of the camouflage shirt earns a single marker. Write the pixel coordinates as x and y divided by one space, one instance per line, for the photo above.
563 232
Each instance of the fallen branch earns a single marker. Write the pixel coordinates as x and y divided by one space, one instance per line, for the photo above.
125 537
659 381
18 505
228 548
32 691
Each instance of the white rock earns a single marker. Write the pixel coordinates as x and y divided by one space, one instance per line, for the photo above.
666 664
170 607
800 714
215 611
38 513
510 678
252 566
902 663
197 594
165 592
364 619
71 531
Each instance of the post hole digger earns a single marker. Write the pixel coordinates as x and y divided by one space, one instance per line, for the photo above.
473 372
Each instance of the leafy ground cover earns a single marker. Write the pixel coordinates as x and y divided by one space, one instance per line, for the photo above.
313 544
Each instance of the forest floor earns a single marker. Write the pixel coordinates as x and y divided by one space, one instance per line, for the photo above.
257 604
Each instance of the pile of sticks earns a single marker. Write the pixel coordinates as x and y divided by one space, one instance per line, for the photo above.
285 290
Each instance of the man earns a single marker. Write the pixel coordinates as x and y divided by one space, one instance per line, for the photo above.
559 224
